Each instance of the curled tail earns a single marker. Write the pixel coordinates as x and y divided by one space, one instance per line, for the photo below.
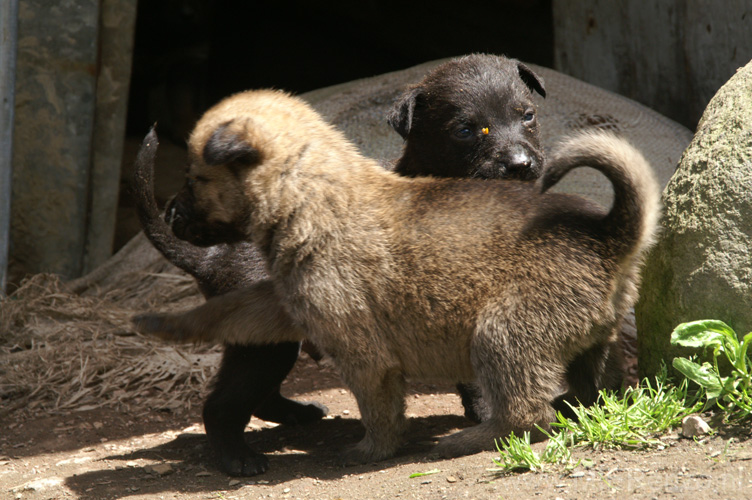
184 255
632 221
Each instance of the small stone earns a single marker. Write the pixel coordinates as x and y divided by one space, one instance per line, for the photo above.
203 473
234 482
451 479
577 474
693 426
160 469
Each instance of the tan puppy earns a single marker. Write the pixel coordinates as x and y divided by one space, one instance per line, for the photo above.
501 282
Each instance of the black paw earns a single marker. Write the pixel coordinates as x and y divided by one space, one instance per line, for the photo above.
243 463
307 413
288 412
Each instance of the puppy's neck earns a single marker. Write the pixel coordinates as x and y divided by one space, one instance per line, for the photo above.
324 179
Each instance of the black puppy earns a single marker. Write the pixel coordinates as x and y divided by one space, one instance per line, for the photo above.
470 117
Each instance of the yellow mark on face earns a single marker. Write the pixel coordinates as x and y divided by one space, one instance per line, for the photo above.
484 130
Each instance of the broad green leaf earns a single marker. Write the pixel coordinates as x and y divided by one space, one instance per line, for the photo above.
704 333
703 375
742 364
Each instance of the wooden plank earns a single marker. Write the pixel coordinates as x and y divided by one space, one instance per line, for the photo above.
8 44
118 20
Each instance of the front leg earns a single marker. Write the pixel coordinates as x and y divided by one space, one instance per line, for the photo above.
252 315
381 401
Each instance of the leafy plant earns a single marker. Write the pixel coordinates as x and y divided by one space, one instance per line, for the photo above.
732 392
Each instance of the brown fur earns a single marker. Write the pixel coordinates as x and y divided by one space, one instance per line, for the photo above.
501 282
442 119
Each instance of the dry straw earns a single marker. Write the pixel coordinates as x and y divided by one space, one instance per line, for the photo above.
63 349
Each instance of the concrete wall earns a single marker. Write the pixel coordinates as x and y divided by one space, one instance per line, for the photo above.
671 55
73 71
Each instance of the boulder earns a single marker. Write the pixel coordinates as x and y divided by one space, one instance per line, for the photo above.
701 267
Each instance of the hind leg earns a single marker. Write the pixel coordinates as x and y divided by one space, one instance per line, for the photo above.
518 381
252 315
282 410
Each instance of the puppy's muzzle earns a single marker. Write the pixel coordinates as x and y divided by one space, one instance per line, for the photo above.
189 225
517 162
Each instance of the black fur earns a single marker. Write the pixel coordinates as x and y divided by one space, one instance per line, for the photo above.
225 148
471 117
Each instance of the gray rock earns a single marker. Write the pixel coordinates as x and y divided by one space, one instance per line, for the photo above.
701 267
693 426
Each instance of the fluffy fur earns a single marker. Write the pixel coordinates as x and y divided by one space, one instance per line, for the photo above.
504 283
471 93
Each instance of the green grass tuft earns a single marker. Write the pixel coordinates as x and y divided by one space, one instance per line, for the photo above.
631 420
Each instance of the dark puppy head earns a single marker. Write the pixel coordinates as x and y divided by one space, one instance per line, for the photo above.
211 207
471 117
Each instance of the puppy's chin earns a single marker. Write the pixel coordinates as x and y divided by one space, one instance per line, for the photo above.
493 170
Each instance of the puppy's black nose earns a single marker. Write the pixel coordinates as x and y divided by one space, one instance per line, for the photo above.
519 161
518 164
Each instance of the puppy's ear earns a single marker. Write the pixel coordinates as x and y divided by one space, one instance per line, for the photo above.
228 147
533 81
400 118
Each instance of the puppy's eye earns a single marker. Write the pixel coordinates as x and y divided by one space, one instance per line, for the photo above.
463 133
528 117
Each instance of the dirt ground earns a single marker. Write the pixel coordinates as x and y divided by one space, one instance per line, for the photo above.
142 454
